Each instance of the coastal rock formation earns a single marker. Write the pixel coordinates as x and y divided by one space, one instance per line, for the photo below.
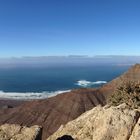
17 132
52 112
103 123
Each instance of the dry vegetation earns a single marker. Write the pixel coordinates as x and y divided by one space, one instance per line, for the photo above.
128 93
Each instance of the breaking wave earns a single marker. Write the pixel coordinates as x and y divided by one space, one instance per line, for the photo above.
45 94
30 95
85 83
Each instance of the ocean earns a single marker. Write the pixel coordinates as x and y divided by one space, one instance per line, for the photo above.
45 81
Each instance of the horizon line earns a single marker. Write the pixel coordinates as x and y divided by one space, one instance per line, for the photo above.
79 56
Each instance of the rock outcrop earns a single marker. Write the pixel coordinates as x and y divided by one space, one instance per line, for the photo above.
103 123
17 132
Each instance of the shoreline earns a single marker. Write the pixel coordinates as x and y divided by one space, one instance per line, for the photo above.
14 102
25 96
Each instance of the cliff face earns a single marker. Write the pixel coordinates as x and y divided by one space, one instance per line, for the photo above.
52 112
17 132
103 123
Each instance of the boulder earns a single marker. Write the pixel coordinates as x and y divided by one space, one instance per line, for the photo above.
103 123
17 132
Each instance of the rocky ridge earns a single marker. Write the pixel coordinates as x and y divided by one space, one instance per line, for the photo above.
133 74
103 123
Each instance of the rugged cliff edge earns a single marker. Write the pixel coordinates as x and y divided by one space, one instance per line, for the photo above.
103 123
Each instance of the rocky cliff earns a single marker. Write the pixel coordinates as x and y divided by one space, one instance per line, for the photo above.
17 132
103 123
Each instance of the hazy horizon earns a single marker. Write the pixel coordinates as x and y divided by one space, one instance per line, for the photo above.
68 61
71 56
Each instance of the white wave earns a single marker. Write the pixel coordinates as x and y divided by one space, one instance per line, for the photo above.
85 83
30 95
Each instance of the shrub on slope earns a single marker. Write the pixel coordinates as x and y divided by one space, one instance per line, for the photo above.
128 93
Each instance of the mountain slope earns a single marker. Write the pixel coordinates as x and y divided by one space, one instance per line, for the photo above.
133 74
52 112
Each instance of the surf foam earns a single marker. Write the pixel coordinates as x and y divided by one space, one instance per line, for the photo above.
30 95
85 83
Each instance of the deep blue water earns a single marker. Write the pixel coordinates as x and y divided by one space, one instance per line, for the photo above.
39 79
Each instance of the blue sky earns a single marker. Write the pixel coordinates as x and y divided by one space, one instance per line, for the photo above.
69 27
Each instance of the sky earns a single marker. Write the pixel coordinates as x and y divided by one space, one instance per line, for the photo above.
69 27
